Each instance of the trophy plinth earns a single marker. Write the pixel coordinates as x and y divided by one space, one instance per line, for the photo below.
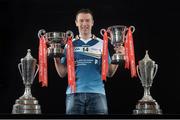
147 70
147 107
27 104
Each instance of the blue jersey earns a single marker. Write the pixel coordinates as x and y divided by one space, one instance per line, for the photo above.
88 59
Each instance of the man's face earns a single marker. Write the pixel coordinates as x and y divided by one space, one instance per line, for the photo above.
84 22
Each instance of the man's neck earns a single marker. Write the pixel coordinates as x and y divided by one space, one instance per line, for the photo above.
85 36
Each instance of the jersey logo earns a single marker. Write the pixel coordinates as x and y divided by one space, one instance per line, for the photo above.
95 61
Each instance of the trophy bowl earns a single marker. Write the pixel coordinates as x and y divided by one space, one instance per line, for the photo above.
56 37
55 41
117 36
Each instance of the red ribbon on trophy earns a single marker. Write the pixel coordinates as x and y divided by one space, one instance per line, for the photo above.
70 64
129 53
43 76
104 56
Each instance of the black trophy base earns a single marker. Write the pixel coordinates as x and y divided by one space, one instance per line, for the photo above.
26 106
147 108
117 59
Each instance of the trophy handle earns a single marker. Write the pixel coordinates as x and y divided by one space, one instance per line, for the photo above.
138 72
41 32
133 29
102 32
20 70
69 33
36 70
155 71
126 29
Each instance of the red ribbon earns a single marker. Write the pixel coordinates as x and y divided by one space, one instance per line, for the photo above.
43 77
70 65
105 56
129 53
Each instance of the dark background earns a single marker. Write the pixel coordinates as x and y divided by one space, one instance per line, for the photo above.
157 30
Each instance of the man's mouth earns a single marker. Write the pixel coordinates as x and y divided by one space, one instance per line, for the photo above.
84 28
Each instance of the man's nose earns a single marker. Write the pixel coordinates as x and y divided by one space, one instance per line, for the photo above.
84 23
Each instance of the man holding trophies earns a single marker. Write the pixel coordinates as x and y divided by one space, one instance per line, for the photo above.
89 95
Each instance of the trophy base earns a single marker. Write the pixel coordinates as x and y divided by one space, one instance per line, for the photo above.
117 59
147 107
26 106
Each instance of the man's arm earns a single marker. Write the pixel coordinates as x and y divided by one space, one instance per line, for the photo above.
60 68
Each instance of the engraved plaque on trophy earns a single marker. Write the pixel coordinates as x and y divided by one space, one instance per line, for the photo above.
147 70
27 104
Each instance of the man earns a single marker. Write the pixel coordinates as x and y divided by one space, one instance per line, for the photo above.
90 97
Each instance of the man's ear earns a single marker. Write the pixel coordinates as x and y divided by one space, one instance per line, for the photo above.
76 23
93 23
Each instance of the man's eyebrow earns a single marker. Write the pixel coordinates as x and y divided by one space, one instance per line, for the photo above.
84 19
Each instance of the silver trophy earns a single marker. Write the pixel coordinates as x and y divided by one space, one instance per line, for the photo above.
147 70
55 40
27 104
117 35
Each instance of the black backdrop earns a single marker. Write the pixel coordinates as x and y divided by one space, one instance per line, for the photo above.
157 28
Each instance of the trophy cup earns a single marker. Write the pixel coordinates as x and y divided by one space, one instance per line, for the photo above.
117 35
55 40
147 70
27 104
